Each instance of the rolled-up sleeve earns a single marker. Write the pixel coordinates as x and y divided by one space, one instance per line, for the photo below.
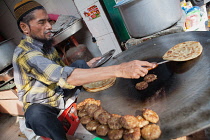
65 73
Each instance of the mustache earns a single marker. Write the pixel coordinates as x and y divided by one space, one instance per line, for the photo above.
48 31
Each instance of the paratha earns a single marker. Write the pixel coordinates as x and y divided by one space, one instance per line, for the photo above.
184 51
99 85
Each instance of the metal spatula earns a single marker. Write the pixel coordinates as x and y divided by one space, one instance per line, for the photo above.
159 63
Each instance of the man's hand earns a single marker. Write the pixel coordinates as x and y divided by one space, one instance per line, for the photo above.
92 61
134 69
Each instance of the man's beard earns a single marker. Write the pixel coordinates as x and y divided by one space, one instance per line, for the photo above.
47 43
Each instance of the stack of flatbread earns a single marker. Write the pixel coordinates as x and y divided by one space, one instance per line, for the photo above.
184 51
99 85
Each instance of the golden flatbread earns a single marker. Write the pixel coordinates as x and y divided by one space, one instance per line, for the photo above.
184 51
99 85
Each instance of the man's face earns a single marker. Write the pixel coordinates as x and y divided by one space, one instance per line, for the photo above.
40 27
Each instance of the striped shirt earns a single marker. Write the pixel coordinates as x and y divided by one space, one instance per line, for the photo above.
39 77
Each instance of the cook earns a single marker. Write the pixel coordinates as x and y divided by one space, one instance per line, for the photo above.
43 82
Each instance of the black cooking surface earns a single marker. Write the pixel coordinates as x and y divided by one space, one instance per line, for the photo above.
180 95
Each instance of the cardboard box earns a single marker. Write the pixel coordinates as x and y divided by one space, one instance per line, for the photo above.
10 104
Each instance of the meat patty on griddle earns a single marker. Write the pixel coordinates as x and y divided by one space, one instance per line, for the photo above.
103 117
141 85
91 108
98 112
102 130
141 121
150 115
114 122
92 125
85 119
115 134
151 132
129 121
132 134
82 113
150 78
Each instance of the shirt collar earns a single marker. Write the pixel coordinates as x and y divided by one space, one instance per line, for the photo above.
33 41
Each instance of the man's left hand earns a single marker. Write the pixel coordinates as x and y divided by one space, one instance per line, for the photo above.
92 61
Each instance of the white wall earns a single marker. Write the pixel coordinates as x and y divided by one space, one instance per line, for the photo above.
99 27
9 29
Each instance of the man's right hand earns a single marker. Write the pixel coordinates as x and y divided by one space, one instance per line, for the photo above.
134 69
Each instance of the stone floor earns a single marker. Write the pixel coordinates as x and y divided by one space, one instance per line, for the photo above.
9 128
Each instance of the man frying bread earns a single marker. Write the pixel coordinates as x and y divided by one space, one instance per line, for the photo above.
44 83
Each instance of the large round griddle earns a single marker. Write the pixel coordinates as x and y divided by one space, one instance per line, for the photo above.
180 95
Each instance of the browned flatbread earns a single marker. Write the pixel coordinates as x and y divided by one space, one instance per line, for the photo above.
184 51
99 85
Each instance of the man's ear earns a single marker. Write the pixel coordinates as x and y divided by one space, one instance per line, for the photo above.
25 28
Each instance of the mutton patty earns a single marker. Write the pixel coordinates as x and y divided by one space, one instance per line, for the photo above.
150 78
141 85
